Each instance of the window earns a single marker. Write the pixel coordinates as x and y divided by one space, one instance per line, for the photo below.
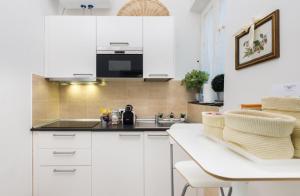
213 52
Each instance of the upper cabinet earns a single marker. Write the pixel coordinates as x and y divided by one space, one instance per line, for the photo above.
119 31
158 43
72 43
70 47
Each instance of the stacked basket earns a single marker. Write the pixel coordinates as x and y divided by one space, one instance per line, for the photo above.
266 135
213 124
286 106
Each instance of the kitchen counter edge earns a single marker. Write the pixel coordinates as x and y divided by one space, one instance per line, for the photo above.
133 129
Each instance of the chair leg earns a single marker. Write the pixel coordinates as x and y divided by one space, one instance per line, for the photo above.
185 189
223 193
230 191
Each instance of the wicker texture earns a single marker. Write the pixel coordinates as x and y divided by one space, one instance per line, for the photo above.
144 8
293 114
213 119
281 103
261 146
296 132
287 106
213 124
296 143
260 123
214 132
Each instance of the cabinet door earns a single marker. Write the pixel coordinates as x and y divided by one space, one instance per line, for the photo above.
64 181
158 36
157 164
117 164
70 46
119 31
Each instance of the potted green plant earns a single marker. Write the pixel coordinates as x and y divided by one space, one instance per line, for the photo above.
195 80
217 85
171 116
160 115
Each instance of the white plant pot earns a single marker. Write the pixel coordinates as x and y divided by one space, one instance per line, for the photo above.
197 96
220 96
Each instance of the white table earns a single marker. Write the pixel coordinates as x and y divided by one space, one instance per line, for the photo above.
219 161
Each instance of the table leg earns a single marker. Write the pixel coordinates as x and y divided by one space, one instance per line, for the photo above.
172 169
239 188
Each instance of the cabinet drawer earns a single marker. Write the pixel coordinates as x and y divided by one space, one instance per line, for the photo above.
64 181
65 157
64 139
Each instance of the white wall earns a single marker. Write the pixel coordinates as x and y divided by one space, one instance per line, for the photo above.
21 53
250 84
187 26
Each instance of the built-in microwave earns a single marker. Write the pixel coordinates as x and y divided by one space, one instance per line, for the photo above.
120 62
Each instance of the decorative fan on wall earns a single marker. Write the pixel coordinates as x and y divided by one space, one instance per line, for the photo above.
144 8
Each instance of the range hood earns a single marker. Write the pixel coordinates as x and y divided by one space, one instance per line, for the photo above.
76 78
157 78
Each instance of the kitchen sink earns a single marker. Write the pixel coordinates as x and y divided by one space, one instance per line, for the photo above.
150 123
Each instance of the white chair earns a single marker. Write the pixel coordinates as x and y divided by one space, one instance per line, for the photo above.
197 178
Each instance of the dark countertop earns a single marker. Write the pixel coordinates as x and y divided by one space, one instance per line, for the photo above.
217 104
139 126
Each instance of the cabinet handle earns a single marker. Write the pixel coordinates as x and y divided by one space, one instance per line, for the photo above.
64 153
158 75
84 75
153 135
119 43
129 135
64 170
64 135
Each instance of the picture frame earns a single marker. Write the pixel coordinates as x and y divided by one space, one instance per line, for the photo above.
266 44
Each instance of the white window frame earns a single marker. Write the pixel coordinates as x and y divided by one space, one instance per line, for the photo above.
214 6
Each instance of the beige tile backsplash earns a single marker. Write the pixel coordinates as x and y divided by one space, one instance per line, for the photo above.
45 100
53 101
147 98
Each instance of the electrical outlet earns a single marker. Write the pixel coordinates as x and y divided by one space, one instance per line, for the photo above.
289 89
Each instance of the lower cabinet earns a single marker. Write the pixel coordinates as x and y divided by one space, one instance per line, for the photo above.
62 164
105 164
157 164
65 181
117 164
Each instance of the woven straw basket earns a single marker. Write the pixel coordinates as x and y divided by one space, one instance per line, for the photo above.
144 8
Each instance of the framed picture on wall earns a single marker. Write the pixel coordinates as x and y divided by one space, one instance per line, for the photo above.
266 44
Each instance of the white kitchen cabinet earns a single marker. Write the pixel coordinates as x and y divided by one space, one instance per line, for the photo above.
119 31
68 139
70 48
158 40
62 163
65 157
157 164
117 164
64 181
